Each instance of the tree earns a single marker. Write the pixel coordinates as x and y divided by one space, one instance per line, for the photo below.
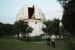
6 29
22 27
2 33
68 19
51 26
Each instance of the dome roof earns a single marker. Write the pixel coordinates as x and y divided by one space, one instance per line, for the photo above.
30 13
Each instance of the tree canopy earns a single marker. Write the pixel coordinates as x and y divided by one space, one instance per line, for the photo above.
68 19
23 28
52 26
6 29
19 27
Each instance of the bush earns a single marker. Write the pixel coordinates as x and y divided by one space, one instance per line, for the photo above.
70 45
32 39
36 38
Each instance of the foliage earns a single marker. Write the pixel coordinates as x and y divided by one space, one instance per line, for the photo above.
70 43
68 19
22 27
51 26
33 39
16 28
6 29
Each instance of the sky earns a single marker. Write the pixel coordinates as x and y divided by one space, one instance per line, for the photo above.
9 9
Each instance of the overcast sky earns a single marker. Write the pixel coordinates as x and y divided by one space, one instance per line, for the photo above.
9 9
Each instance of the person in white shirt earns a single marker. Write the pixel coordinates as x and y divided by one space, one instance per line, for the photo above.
53 37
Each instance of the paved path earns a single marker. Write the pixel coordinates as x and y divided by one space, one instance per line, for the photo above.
60 45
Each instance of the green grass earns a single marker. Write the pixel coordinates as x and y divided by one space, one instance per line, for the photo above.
14 44
70 43
72 40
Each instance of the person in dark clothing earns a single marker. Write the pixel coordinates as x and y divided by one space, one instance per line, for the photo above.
53 44
48 41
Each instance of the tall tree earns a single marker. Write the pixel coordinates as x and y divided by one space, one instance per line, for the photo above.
51 26
2 33
6 29
68 19
23 28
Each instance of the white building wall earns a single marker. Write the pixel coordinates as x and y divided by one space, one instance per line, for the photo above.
40 27
42 15
32 25
37 27
37 15
21 13
25 12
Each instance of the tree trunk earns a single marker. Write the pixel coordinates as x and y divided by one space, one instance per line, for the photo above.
17 36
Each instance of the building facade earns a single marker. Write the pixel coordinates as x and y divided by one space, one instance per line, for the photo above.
35 18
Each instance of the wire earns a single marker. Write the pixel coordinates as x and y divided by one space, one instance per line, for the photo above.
53 13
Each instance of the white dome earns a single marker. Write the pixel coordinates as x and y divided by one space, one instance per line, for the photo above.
30 13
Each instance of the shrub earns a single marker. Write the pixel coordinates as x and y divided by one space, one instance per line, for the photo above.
32 39
70 45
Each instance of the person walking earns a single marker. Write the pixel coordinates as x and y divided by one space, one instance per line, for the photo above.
53 37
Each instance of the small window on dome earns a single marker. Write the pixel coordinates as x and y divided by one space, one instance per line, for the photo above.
35 22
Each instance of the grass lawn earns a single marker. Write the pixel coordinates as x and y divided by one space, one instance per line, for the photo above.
13 44
72 40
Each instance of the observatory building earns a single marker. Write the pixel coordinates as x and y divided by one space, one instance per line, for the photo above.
35 18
